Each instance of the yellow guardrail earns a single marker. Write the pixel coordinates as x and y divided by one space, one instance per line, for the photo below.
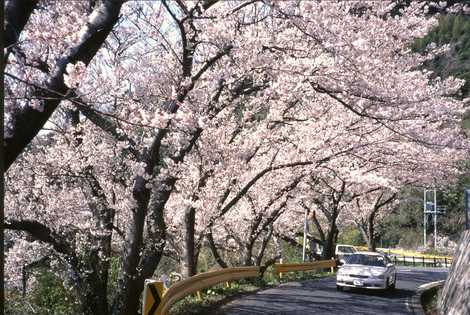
402 252
157 301
281 268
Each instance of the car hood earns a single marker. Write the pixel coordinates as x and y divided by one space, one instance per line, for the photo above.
361 269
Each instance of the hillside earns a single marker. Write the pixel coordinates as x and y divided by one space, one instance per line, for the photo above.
453 30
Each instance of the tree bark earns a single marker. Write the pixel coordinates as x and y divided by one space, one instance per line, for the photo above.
330 239
214 250
189 255
263 247
17 13
248 253
147 254
371 244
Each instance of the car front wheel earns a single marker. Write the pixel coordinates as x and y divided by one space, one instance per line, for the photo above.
393 285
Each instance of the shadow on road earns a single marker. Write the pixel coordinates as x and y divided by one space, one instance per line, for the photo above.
395 294
305 299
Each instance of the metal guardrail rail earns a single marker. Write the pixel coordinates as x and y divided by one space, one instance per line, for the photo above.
410 258
157 301
281 268
402 252
422 261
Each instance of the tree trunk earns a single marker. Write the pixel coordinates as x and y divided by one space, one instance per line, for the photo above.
148 251
17 14
362 228
367 232
248 256
371 246
264 245
189 257
330 241
328 247
214 251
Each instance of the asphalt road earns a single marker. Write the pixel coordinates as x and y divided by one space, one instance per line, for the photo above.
320 297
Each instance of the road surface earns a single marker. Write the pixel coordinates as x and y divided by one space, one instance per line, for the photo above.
320 297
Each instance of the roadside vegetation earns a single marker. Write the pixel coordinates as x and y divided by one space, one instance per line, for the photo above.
429 300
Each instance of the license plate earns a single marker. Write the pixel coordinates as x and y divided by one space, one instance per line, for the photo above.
358 283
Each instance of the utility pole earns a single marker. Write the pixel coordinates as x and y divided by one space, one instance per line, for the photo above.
424 218
430 207
305 235
435 219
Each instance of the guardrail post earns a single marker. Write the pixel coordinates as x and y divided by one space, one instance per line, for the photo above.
227 285
199 296
332 268
424 264
395 258
414 265
445 261
434 262
404 260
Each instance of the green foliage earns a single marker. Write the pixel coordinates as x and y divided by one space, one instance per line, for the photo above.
430 298
113 274
455 31
290 253
451 28
206 260
452 223
305 275
350 235
48 297
410 239
405 227
211 298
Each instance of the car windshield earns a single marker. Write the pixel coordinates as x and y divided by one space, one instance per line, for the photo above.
368 260
346 249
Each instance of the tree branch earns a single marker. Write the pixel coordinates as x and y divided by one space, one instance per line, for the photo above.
17 13
42 233
26 121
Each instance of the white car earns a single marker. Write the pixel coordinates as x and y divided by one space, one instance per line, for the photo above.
366 270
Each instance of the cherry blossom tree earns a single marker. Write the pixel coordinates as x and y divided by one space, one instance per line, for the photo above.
144 172
203 120
430 167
